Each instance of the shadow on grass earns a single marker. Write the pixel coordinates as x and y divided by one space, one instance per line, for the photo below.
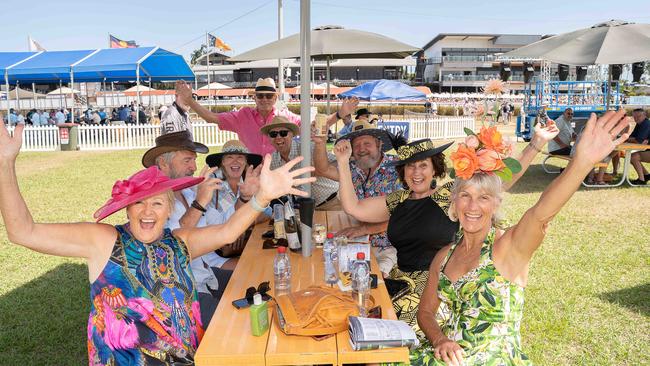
44 321
633 298
535 180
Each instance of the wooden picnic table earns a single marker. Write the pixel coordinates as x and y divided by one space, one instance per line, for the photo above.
229 340
629 148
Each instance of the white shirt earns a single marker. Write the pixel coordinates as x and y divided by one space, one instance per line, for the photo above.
203 275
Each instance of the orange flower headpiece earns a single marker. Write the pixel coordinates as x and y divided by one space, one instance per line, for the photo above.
485 152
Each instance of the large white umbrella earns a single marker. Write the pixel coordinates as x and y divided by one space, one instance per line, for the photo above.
63 91
612 42
141 88
214 86
329 43
24 94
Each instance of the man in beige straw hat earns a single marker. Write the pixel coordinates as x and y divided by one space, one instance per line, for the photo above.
247 121
282 132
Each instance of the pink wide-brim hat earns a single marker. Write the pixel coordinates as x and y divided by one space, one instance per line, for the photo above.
143 184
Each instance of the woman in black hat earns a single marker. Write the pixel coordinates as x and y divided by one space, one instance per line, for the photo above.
418 221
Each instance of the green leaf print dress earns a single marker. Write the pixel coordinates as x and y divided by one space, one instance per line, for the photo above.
485 312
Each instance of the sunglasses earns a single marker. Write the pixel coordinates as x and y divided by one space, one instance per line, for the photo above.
263 289
274 134
274 243
264 96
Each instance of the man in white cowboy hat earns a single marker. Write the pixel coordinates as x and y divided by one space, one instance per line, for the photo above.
281 132
372 175
247 121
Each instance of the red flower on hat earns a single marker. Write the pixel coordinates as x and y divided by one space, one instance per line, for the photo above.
139 182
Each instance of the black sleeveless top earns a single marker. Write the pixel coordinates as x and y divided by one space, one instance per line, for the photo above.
418 228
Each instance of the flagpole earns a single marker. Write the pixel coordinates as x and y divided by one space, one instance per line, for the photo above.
207 50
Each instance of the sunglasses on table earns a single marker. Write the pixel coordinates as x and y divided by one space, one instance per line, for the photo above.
263 289
264 96
274 134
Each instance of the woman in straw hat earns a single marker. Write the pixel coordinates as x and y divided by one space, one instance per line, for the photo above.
481 276
144 307
418 222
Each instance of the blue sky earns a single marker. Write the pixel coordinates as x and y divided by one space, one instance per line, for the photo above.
180 26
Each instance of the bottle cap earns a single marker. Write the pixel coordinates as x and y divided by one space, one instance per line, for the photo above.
330 235
257 298
282 249
361 256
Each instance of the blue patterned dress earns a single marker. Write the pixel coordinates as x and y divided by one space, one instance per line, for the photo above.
144 306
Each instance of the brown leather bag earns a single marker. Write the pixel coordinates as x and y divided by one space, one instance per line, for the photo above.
316 310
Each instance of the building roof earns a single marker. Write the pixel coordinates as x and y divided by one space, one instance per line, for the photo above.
493 36
266 64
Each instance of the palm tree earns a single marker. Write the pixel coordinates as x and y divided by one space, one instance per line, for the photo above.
196 54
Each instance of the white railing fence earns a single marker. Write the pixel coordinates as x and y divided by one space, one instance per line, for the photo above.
124 137
41 138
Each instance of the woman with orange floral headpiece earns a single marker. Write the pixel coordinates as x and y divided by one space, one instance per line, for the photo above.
481 277
418 224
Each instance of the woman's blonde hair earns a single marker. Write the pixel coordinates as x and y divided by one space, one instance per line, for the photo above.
489 183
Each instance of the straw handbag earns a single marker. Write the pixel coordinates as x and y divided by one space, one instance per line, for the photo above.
315 311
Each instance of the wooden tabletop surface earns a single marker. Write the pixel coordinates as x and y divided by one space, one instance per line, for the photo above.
229 340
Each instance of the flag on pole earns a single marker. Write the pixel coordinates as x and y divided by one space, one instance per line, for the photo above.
118 43
216 42
35 46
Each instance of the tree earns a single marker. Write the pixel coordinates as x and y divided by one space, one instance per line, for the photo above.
196 54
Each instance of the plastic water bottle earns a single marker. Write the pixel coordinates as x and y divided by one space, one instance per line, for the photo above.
330 257
281 272
361 283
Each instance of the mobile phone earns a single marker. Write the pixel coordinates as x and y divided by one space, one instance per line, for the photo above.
373 280
241 303
375 312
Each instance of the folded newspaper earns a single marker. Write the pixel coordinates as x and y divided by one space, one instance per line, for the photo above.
367 333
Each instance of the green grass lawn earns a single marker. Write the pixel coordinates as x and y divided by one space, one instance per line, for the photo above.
587 303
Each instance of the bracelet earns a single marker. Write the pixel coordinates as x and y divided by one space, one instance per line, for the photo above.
243 200
535 147
256 205
198 206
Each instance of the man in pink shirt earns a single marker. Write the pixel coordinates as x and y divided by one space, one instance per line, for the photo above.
247 121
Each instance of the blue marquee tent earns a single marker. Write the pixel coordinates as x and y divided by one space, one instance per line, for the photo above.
101 65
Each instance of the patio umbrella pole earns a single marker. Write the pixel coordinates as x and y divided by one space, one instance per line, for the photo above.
305 126
327 70
280 65
17 97
137 91
104 91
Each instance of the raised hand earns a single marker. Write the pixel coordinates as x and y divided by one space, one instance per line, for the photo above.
251 183
343 151
183 92
546 133
10 146
281 181
206 188
601 136
348 106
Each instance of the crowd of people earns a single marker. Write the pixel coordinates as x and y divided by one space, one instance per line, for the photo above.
155 281
129 114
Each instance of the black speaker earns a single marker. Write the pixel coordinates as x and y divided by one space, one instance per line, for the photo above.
581 73
615 71
562 72
504 71
637 71
529 72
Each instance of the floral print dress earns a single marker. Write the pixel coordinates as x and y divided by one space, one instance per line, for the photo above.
144 306
485 312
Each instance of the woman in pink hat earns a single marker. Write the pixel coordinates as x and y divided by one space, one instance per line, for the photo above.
144 305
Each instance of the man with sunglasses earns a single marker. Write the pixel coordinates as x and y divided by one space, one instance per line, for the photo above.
281 132
247 121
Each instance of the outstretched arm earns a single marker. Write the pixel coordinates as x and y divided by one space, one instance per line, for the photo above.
273 184
324 168
598 140
542 136
371 209
83 240
184 93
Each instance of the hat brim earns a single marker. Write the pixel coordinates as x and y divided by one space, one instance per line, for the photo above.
289 126
379 133
112 206
215 159
149 157
421 155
